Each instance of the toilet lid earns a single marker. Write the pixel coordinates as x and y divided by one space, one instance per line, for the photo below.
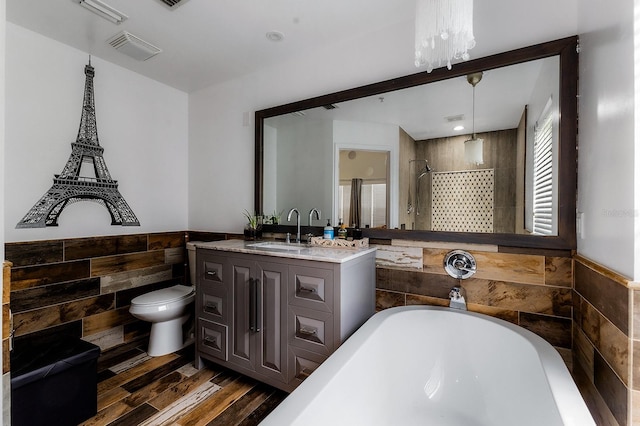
165 295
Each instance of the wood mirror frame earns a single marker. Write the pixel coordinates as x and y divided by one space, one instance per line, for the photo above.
565 49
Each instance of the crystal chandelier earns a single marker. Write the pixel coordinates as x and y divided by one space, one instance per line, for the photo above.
444 32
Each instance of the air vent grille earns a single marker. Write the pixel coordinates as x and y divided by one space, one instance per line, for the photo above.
133 46
454 118
174 3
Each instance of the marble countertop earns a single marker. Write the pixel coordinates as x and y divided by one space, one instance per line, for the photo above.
292 250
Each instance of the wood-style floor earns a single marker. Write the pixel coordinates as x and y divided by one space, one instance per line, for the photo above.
135 389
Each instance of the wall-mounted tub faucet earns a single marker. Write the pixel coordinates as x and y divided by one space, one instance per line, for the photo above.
456 298
297 222
459 264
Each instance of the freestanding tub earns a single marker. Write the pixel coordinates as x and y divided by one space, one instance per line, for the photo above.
424 365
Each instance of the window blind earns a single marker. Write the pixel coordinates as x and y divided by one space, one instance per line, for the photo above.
543 185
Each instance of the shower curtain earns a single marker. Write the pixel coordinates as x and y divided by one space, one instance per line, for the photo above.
355 207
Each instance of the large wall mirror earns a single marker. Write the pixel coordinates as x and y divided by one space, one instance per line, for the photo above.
508 177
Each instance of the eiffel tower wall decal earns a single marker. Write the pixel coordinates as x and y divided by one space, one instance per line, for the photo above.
71 186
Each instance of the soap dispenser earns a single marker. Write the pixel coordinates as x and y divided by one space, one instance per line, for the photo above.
342 231
328 231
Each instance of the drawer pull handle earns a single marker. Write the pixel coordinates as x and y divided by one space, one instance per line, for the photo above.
255 305
304 373
307 290
212 273
307 331
210 341
212 308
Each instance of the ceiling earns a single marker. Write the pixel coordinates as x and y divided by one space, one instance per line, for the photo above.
205 42
432 110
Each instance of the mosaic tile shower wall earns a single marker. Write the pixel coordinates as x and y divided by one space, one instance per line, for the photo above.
463 201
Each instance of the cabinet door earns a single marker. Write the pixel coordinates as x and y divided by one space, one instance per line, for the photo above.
272 320
241 272
212 339
311 287
311 330
302 363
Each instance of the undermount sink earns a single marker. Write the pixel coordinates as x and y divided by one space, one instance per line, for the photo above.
278 246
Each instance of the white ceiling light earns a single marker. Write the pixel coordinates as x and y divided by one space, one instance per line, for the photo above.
103 10
444 32
133 46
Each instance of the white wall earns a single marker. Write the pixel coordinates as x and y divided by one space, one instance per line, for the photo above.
142 126
372 136
221 143
607 190
269 174
304 159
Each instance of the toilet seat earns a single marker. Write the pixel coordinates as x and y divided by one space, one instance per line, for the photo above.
165 295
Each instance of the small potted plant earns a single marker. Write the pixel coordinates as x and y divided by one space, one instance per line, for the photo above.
253 228
275 217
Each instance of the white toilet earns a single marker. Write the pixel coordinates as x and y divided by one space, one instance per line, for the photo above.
168 310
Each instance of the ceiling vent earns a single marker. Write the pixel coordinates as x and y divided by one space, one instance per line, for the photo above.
173 4
454 118
133 46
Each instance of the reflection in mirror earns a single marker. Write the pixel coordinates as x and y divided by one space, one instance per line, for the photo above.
494 195
298 159
363 189
523 185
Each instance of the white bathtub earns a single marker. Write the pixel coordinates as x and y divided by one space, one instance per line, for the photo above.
423 365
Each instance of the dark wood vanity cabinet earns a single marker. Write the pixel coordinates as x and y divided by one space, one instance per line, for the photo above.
258 291
276 319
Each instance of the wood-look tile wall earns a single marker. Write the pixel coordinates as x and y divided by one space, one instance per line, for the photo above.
84 286
6 336
6 316
606 309
407 180
447 154
531 290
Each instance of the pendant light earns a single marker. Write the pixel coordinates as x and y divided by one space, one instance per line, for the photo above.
473 146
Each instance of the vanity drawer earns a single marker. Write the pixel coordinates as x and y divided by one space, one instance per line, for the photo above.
210 268
311 288
212 339
311 330
302 363
213 302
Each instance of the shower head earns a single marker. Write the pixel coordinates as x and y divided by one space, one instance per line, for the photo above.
425 170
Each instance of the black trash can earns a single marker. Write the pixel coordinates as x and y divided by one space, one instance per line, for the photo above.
54 382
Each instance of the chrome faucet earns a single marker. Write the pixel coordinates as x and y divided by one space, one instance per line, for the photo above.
297 220
456 298
311 212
